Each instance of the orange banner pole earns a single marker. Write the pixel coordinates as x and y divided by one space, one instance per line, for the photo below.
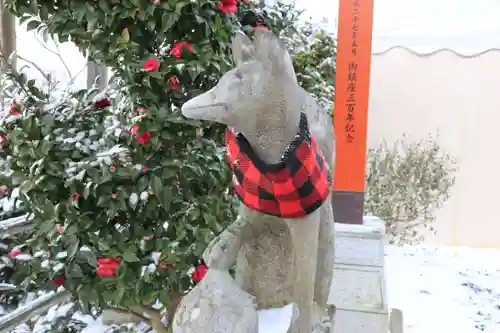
352 86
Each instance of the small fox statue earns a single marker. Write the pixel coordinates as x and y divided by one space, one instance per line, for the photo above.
283 251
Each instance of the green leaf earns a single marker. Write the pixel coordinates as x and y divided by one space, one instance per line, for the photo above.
103 246
142 183
103 199
45 147
17 178
125 35
119 293
104 6
166 198
218 22
49 211
34 7
32 25
168 20
180 234
157 186
75 271
151 25
92 18
44 12
46 227
180 5
73 247
23 19
26 186
94 174
130 257
48 120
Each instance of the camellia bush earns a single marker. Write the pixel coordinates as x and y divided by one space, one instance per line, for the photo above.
314 54
406 185
124 192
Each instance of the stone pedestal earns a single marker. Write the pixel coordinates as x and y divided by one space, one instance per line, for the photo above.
358 290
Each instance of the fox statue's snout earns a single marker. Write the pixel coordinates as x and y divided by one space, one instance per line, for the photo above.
261 65
204 107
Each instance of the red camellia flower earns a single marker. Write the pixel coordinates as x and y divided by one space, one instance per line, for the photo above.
60 229
145 169
260 26
227 6
4 189
2 139
152 65
106 267
140 109
199 273
14 110
57 282
173 82
75 196
101 103
143 138
112 169
135 129
167 265
176 49
14 253
113 196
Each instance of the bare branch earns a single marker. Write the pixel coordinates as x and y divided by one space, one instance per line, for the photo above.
149 312
8 65
40 70
153 315
57 54
138 316
400 227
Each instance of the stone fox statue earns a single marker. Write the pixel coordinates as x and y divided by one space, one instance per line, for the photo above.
277 141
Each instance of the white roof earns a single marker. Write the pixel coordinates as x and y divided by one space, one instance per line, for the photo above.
465 26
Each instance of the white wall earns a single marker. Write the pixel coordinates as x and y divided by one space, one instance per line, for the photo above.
30 45
459 98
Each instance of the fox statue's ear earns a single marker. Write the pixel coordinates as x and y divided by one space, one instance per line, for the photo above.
272 53
243 49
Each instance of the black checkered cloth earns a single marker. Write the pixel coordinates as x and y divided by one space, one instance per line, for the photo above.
294 187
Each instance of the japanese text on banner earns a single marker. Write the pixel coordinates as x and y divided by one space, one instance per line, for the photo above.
351 87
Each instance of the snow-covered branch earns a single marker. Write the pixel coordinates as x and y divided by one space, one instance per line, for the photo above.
16 225
32 309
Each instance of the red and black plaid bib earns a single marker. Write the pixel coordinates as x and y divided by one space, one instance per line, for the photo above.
295 186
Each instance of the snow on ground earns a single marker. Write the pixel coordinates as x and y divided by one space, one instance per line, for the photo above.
445 289
439 289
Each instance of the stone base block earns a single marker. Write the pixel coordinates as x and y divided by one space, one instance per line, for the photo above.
360 322
358 289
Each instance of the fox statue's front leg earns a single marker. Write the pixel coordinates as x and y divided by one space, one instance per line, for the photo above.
222 251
